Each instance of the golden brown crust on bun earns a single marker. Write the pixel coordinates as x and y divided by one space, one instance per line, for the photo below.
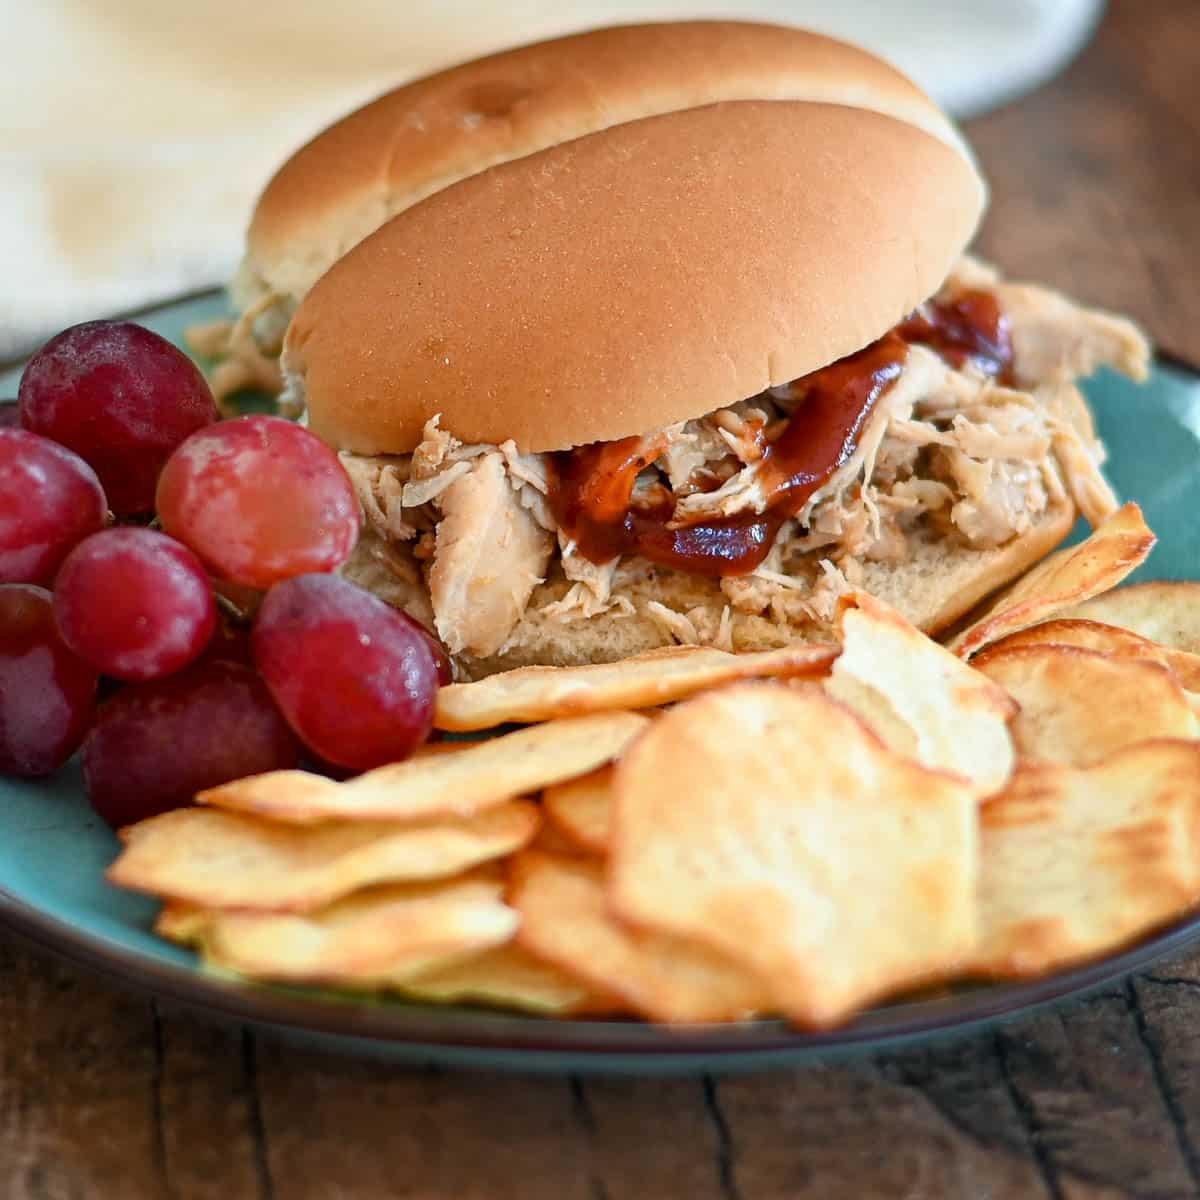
647 274
426 135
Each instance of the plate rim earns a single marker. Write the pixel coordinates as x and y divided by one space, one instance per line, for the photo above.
392 1024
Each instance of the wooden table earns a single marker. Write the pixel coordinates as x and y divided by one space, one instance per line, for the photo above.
1096 187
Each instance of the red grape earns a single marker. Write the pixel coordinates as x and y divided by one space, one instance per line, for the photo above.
134 603
155 745
441 660
47 695
260 499
355 677
10 414
122 398
49 500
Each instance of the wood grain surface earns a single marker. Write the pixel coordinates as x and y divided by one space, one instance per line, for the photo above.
1096 188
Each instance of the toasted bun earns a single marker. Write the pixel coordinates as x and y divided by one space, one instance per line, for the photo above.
632 278
421 138
941 582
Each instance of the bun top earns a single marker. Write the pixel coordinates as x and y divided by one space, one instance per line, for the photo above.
423 137
638 276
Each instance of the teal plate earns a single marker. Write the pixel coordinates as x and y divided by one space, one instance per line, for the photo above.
53 852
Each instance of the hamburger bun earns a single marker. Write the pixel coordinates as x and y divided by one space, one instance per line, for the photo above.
421 138
646 274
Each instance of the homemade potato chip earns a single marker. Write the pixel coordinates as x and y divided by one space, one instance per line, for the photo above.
644 681
1075 862
372 938
766 821
581 809
483 775
1115 548
1078 706
181 923
955 719
876 712
552 840
231 860
510 977
565 919
1106 639
1167 613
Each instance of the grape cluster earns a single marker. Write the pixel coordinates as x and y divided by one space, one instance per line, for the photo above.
114 424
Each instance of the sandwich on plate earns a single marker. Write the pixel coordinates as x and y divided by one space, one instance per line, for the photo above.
666 334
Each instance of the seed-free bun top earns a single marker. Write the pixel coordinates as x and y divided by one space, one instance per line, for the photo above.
427 135
639 276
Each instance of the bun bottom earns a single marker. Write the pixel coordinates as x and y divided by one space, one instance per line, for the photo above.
939 584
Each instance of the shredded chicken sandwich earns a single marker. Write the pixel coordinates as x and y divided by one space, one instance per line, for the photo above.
655 334
965 422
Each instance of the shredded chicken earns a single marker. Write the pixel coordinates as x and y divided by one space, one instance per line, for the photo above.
785 597
745 491
379 482
676 625
244 359
422 491
527 474
945 447
434 448
1056 341
999 497
490 556
720 638
1079 452
691 446
590 593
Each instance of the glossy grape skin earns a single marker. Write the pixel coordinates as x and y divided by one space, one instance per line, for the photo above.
50 499
155 745
355 678
122 398
134 603
260 499
47 694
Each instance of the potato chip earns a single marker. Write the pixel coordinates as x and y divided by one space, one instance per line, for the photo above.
483 775
954 718
769 823
510 977
552 840
1064 579
373 938
875 711
644 681
230 860
1167 613
1078 706
1106 639
181 923
565 919
581 809
1075 862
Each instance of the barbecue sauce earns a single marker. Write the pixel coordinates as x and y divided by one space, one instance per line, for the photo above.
969 327
592 488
